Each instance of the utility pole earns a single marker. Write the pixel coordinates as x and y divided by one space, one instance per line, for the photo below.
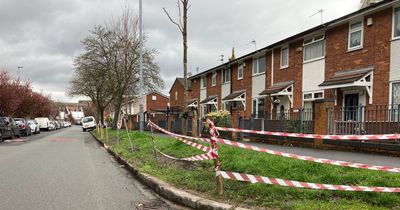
141 114
19 71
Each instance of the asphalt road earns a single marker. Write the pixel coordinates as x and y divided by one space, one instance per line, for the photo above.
67 169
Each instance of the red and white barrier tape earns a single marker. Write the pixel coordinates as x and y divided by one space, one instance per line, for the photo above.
308 158
299 157
177 135
297 184
195 145
316 136
206 156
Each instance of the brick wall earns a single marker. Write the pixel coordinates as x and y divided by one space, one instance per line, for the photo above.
292 72
176 87
161 101
214 90
375 51
245 83
195 91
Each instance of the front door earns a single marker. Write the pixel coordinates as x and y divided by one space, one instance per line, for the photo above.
350 107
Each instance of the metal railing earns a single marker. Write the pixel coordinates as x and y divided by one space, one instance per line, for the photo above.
359 120
290 120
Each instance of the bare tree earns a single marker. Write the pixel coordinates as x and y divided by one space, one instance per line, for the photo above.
92 71
108 70
181 23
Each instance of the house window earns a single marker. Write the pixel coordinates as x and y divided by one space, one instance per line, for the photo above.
154 98
396 23
214 79
313 95
203 82
176 95
314 48
284 57
226 75
356 35
396 93
240 71
259 65
258 107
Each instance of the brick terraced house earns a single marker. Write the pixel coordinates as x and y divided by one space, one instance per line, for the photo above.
341 77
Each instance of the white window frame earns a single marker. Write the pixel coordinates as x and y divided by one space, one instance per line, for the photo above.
214 79
393 21
311 41
154 98
287 55
256 67
361 28
313 98
203 82
176 95
224 75
241 67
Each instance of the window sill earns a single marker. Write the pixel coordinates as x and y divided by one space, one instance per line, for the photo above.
312 60
240 79
258 74
224 83
395 38
354 49
284 67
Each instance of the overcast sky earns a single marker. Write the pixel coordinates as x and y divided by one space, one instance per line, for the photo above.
44 36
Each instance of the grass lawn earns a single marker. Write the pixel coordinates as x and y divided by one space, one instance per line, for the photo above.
199 177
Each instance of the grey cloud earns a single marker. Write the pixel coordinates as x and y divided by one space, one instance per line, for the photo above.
44 35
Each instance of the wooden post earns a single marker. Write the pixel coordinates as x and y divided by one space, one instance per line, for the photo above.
214 148
127 132
106 135
154 144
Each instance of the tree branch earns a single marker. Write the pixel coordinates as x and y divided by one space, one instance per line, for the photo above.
179 26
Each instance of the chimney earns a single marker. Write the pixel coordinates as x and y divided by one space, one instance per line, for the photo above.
366 3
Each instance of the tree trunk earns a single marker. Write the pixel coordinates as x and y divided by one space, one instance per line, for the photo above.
185 65
117 109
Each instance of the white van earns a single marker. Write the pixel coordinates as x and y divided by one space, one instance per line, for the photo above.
43 122
88 123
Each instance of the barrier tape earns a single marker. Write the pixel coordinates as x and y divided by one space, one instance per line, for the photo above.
178 135
316 136
308 158
206 156
195 145
297 184
299 157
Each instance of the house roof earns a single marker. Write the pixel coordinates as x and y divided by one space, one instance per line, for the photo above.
209 99
234 95
191 101
277 87
347 76
181 81
299 35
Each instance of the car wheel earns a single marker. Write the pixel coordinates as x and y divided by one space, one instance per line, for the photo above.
83 129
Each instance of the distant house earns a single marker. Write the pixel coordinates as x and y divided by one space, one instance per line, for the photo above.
155 105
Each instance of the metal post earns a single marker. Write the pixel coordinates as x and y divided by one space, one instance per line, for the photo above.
141 124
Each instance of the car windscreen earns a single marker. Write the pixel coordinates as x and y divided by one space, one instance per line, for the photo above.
85 120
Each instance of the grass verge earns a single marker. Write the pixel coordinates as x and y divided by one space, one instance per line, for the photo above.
199 177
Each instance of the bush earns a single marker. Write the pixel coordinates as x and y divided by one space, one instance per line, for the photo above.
221 118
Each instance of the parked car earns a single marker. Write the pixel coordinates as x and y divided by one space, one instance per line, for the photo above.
5 130
52 125
88 123
13 127
23 126
43 123
35 127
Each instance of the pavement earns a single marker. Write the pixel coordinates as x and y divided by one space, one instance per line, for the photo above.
67 169
358 157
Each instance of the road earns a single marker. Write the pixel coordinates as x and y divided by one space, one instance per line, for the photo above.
67 169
